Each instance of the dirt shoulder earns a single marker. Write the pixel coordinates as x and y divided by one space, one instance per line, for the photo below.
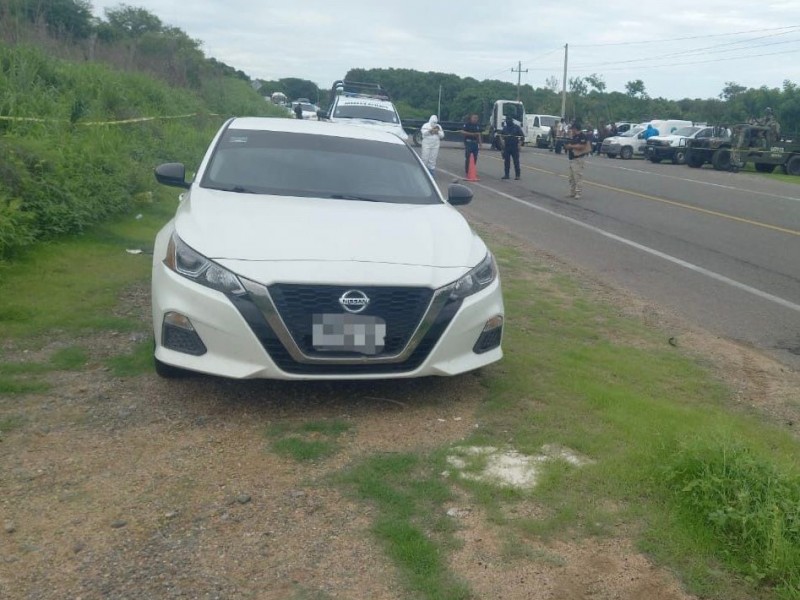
144 488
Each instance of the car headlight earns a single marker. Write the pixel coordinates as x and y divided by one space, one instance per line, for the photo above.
477 279
191 264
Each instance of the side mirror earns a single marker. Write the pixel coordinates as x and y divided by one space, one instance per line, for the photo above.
640 136
173 174
458 195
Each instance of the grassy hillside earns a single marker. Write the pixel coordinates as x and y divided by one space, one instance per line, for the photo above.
65 164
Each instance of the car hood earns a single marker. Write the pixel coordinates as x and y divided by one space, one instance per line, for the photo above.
381 125
251 227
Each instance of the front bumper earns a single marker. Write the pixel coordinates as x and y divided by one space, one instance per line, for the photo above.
662 152
243 340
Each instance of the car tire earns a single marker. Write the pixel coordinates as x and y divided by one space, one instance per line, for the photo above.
679 157
168 371
695 161
764 167
626 153
721 161
655 160
793 165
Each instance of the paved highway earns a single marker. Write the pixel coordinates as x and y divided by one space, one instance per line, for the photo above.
720 249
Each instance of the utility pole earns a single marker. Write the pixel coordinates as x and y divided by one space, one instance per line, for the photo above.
519 73
564 84
439 106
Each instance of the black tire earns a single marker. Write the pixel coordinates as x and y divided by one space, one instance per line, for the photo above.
626 153
765 167
417 137
679 158
721 160
611 155
168 371
793 165
655 160
694 160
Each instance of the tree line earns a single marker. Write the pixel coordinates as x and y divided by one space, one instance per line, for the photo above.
416 94
128 38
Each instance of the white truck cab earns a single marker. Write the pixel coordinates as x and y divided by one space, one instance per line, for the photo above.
364 105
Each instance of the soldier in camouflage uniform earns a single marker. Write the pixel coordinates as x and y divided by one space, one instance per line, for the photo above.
774 127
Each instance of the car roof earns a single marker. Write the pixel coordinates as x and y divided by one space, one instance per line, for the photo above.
314 128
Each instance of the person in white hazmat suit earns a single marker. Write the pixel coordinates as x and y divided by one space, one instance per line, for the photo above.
432 135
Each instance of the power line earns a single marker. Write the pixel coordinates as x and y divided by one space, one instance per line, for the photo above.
687 53
678 39
699 62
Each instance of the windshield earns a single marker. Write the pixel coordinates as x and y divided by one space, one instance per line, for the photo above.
686 131
320 166
632 132
356 111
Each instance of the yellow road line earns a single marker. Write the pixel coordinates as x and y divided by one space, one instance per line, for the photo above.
706 211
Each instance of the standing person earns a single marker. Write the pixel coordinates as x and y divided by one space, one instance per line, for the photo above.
472 140
650 131
432 135
298 111
577 149
512 137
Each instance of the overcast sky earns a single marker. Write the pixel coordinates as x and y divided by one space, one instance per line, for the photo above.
753 43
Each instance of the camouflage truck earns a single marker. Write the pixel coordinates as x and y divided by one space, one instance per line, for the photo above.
746 143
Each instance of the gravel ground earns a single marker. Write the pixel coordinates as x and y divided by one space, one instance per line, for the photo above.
142 488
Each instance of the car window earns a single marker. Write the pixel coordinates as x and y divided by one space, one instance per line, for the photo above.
293 164
685 131
359 111
548 121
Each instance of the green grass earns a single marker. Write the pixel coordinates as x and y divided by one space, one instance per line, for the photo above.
137 362
22 377
409 495
72 285
307 441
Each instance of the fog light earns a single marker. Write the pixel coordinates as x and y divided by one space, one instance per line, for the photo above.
491 336
177 333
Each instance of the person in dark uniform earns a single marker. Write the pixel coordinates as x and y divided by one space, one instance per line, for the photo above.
577 149
512 136
472 140
298 111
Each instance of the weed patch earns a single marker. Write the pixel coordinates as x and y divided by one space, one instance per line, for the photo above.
310 441
409 495
747 503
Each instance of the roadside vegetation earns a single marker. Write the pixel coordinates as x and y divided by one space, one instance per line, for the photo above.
66 161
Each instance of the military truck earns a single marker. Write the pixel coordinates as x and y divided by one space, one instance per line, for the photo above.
746 143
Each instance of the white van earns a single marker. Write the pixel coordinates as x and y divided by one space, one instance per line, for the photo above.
538 129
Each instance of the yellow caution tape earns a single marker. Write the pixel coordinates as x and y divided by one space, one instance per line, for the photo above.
120 122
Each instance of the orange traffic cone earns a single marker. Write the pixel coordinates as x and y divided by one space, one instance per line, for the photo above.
472 171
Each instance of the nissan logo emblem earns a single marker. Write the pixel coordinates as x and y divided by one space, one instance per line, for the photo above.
354 301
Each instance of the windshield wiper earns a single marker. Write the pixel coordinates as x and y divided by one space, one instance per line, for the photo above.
352 197
236 189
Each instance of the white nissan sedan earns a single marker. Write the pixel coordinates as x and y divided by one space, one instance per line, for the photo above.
313 250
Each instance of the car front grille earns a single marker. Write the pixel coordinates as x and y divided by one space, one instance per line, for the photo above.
401 308
392 297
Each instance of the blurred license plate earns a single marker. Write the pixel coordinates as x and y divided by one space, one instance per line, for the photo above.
348 333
